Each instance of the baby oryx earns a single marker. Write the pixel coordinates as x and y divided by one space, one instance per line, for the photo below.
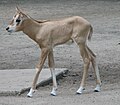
48 34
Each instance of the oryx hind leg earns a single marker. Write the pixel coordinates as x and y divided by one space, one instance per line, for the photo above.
86 59
96 70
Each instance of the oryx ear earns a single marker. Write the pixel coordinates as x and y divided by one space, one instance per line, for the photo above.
17 9
20 12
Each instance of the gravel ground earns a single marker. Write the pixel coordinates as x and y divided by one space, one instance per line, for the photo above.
17 51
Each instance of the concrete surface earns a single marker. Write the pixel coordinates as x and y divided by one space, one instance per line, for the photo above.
16 82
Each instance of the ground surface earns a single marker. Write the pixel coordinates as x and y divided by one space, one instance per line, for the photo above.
18 51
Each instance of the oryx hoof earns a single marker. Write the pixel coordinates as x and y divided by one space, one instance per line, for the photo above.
97 89
30 94
53 94
78 93
80 90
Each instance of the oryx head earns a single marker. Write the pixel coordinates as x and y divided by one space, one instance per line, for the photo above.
17 22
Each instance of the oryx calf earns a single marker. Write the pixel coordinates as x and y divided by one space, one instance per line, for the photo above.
48 34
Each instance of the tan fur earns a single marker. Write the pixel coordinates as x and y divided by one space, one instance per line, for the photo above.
47 34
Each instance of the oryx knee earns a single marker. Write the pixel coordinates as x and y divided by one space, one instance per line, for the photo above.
87 61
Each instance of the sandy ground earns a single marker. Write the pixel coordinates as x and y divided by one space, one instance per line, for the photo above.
17 51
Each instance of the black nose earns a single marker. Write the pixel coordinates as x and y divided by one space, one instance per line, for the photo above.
7 28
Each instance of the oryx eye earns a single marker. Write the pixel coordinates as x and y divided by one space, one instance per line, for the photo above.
18 20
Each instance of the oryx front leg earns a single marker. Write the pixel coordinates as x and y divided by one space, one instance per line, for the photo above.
53 92
44 53
52 69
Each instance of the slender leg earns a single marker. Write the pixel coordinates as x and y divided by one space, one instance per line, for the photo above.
85 72
86 60
44 53
52 69
53 92
96 70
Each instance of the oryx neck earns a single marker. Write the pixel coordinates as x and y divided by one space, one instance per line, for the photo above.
31 28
